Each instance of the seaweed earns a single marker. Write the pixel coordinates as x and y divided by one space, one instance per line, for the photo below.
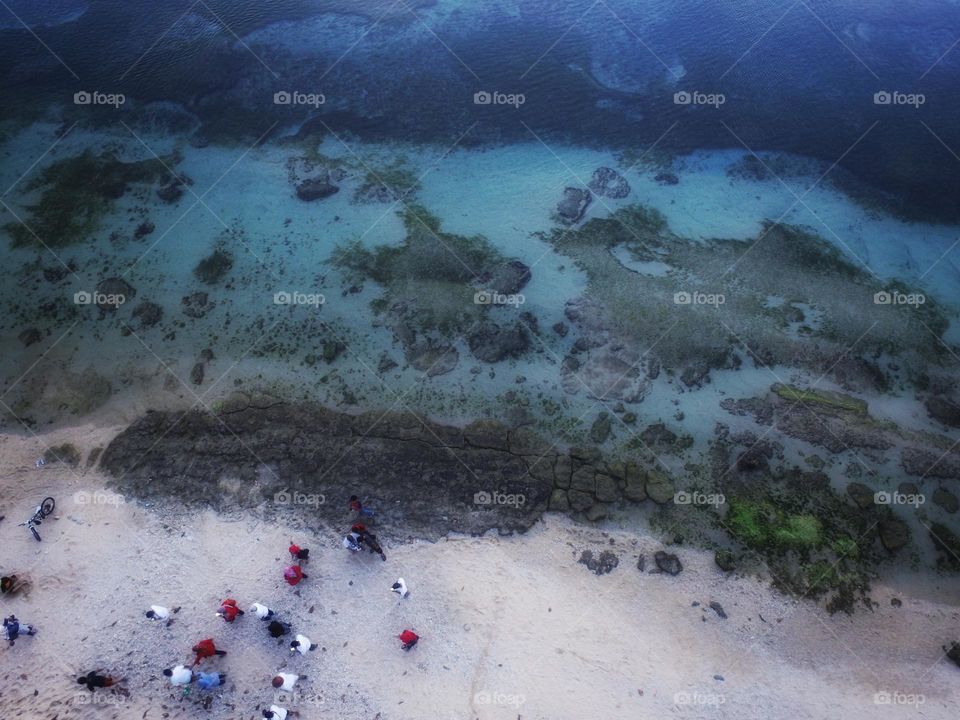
77 193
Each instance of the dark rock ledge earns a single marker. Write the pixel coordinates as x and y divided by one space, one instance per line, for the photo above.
424 479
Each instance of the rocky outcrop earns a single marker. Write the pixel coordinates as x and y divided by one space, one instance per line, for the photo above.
944 409
492 343
607 182
426 479
668 563
573 205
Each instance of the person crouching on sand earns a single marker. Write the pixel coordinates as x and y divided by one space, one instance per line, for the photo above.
302 645
94 680
12 628
358 507
408 638
14 584
179 675
285 681
301 555
159 612
277 628
293 575
208 681
229 610
205 649
278 713
261 611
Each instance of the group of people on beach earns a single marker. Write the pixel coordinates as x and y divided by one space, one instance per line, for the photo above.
184 676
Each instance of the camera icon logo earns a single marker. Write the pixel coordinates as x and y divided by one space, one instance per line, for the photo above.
682 298
682 98
882 98
282 97
82 98
82 297
282 298
882 298
482 97
882 498
482 498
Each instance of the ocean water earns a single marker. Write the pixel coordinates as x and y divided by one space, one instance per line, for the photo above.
726 120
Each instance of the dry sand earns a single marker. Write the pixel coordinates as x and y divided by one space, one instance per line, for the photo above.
512 627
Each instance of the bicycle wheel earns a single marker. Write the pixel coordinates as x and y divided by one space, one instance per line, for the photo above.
47 506
35 533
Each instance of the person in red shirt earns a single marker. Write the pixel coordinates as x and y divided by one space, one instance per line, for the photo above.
293 574
229 610
205 649
408 638
298 553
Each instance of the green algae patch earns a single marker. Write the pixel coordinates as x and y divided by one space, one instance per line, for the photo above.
76 193
431 279
394 181
822 399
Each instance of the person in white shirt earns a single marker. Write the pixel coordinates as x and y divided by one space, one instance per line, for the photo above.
400 588
278 713
179 675
285 681
261 611
302 645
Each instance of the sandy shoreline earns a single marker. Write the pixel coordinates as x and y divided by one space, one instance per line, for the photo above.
511 626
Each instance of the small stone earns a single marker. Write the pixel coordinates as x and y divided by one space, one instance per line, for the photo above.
718 609
196 374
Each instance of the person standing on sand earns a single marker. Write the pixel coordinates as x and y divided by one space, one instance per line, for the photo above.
301 555
408 638
205 649
208 681
13 627
293 575
179 675
94 680
229 610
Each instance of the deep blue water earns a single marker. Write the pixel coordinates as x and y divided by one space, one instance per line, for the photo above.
796 75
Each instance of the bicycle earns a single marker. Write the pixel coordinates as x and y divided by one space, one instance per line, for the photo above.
43 510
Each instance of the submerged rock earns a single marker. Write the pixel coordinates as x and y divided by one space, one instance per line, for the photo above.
114 292
944 410
607 182
148 313
861 495
316 189
492 343
601 428
894 534
573 205
946 500
433 357
196 305
30 336
666 178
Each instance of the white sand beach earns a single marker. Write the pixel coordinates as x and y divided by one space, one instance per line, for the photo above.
511 626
